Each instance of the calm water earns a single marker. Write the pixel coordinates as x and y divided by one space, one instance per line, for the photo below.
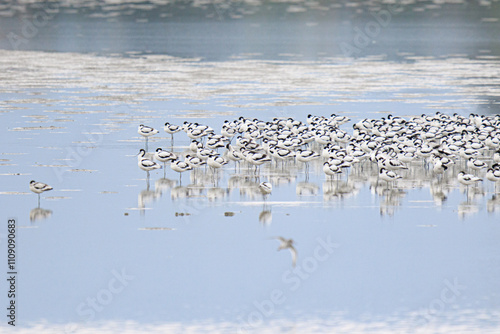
109 250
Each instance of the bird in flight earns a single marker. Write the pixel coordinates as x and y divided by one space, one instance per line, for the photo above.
288 244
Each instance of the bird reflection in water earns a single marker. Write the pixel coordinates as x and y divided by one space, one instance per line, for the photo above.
39 214
391 199
266 189
439 192
214 194
165 184
266 217
250 189
338 189
493 204
306 189
467 209
179 192
147 196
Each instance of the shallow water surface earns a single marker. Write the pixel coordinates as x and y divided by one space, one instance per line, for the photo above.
112 250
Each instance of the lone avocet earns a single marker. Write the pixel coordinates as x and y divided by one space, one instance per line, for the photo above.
265 188
38 188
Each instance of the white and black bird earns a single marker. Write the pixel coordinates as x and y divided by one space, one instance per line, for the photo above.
164 156
205 153
195 145
216 161
256 158
388 175
438 167
146 164
38 188
195 133
476 164
331 169
391 164
194 161
228 131
215 143
496 157
468 179
180 167
265 189
234 154
146 132
306 155
493 175
172 129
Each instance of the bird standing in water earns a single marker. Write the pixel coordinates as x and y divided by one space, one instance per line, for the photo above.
38 188
146 131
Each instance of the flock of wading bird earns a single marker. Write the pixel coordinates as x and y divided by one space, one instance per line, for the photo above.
393 152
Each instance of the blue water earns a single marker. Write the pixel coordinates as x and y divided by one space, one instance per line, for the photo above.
217 268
